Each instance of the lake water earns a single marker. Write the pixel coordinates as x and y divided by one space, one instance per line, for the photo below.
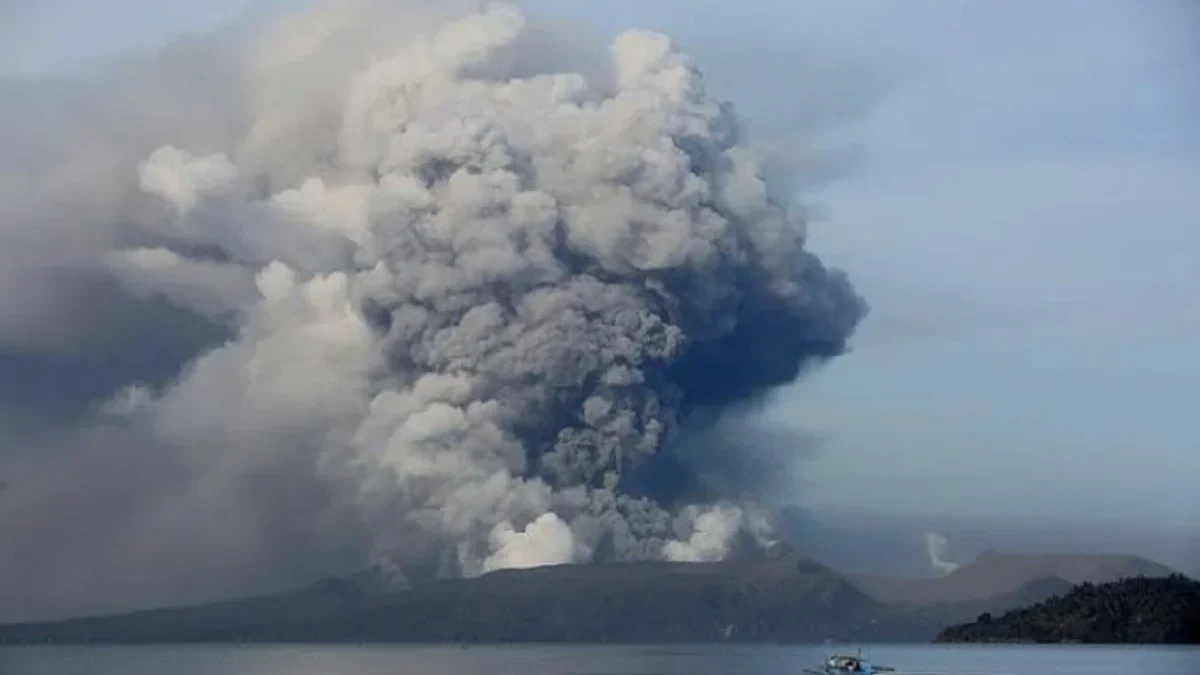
586 660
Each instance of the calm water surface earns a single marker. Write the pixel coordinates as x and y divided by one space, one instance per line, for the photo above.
581 660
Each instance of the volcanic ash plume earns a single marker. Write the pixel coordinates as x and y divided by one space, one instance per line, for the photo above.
478 283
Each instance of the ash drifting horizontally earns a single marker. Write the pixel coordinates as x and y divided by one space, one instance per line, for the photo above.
477 280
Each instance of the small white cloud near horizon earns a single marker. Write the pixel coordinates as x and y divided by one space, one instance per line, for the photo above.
935 548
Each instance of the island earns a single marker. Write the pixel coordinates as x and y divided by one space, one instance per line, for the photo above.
782 598
1143 610
785 600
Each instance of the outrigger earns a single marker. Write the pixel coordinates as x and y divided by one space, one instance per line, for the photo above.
846 663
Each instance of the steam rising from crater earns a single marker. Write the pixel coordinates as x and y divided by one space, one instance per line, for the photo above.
935 548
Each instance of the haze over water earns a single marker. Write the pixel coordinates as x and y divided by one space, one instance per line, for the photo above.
589 660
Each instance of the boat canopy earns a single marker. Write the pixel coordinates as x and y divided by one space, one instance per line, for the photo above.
848 663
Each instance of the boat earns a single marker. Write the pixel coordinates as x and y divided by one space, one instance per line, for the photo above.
837 664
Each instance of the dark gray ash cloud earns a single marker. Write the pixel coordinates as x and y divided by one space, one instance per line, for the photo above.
461 294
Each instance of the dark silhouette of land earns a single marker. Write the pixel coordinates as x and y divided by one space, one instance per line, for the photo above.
1133 610
780 599
786 599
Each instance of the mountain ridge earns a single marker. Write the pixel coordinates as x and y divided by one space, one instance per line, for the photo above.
994 574
1141 610
782 598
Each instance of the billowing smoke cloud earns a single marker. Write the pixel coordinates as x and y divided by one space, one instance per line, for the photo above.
476 289
935 548
712 531
547 540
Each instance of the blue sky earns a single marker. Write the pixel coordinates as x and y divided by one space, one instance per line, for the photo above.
1023 217
1018 202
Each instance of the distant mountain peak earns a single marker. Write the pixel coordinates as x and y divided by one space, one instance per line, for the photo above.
997 574
375 578
782 599
334 586
1074 567
380 578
